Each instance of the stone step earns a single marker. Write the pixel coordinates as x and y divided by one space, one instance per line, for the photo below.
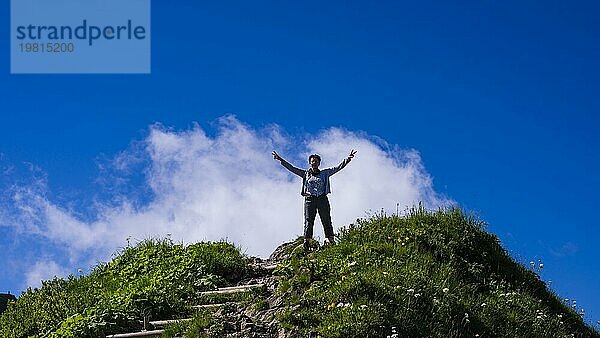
270 267
161 323
152 333
208 306
233 289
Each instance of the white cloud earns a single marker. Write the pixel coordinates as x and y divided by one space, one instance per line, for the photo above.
567 249
44 270
228 186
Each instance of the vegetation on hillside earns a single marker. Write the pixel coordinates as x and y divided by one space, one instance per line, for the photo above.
426 274
154 279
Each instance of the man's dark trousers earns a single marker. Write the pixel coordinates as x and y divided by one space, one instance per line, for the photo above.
311 206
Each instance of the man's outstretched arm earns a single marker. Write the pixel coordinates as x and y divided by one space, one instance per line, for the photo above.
288 166
344 162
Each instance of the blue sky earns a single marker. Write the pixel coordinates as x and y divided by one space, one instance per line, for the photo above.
499 99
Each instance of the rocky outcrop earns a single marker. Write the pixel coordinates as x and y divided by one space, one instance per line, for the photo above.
4 299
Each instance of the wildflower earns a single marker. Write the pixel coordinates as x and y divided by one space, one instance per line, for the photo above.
417 295
435 300
483 304
352 264
343 278
398 287
532 263
331 306
567 299
407 238
410 290
79 270
347 304
559 315
541 265
445 290
340 305
363 306
385 273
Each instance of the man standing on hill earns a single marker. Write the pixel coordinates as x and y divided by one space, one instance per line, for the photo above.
315 187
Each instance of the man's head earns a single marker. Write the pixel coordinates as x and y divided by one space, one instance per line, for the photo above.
314 160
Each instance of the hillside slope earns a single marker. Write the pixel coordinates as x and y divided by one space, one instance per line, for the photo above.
426 274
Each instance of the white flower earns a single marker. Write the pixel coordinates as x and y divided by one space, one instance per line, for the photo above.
483 304
445 290
541 265
417 295
352 264
340 305
410 290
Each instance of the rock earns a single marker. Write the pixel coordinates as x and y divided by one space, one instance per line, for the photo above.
4 299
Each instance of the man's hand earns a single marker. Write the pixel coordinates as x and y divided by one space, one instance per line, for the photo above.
276 156
351 156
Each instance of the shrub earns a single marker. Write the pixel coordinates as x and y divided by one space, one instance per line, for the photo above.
426 274
155 278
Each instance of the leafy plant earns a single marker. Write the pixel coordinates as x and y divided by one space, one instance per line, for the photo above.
153 279
426 274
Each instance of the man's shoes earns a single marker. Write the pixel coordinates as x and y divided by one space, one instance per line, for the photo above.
306 246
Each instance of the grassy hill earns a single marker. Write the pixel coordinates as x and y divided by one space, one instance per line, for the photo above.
426 274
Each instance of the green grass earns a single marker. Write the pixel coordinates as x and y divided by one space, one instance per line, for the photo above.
156 279
426 274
